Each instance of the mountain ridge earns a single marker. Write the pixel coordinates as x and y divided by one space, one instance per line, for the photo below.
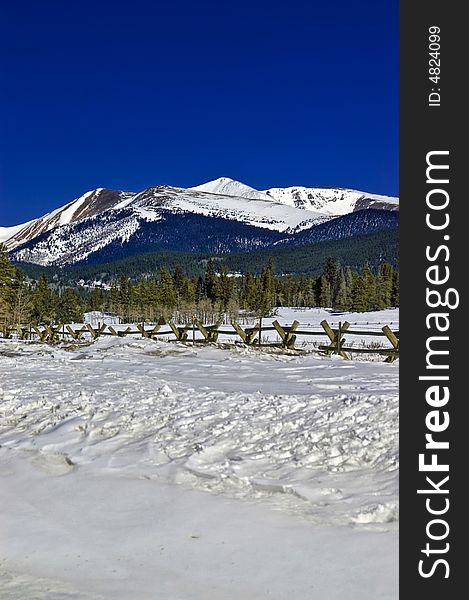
199 219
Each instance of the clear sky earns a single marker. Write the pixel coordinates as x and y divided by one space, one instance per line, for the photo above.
130 94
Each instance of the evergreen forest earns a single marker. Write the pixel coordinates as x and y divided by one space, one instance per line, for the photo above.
173 293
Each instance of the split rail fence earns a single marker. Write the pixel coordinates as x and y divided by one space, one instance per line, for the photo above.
196 332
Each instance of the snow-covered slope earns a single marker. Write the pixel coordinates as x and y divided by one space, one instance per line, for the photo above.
331 201
88 205
252 211
6 233
328 201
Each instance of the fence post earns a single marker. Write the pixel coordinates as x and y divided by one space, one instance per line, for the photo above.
205 332
280 331
290 337
141 328
179 332
239 330
394 341
251 334
213 331
184 332
330 334
340 342
335 338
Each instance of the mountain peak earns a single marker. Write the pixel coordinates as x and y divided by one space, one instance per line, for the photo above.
230 187
220 180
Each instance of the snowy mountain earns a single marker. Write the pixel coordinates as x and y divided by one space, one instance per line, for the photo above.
151 203
220 216
328 201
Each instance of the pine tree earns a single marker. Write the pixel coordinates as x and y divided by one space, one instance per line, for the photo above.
349 280
210 281
384 284
369 284
189 291
306 295
267 284
70 309
358 295
44 302
363 295
288 291
125 297
153 299
199 290
141 299
251 292
22 303
95 300
223 288
178 277
342 300
331 273
325 298
179 280
395 289
8 285
114 298
166 289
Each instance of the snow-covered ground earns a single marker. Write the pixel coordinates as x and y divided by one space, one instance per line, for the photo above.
133 468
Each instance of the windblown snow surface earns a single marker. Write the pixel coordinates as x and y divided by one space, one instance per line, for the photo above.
133 468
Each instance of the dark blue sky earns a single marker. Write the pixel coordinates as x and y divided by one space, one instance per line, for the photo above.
130 94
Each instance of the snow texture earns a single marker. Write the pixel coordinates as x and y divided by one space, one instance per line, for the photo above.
140 467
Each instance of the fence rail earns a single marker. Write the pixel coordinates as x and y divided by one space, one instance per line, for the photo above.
196 332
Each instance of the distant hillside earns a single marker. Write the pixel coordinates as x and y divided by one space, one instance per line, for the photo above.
308 259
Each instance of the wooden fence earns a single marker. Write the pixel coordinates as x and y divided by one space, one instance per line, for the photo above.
196 332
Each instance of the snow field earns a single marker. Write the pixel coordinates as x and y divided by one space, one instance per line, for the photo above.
222 421
132 465
88 537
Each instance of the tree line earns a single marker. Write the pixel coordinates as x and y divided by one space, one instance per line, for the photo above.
173 294
308 259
